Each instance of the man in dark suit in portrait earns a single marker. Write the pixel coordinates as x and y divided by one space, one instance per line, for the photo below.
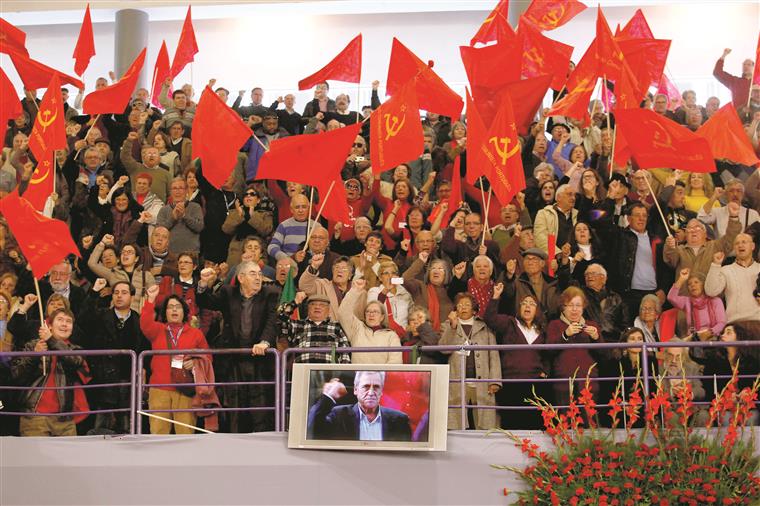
364 421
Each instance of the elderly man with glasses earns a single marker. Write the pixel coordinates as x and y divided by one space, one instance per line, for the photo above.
250 321
59 281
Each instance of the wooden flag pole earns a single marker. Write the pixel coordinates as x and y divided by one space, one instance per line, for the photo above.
88 133
485 217
319 213
559 94
308 220
42 318
657 203
749 94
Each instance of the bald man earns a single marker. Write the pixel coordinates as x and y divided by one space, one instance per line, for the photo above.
290 235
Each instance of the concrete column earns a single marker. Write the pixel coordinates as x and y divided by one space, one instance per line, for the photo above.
131 36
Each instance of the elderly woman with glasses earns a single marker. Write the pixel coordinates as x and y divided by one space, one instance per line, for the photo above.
372 332
392 294
430 293
571 328
648 319
464 328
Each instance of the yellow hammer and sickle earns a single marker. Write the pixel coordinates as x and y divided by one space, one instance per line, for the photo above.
501 145
534 56
38 180
554 16
661 137
393 130
44 122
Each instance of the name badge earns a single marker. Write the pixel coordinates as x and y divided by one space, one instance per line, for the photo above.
177 362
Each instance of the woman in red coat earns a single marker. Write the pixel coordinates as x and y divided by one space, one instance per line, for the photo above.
173 333
571 328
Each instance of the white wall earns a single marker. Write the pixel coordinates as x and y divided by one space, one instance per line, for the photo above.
275 52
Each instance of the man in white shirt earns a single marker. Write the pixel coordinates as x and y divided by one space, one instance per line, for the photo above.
718 217
737 281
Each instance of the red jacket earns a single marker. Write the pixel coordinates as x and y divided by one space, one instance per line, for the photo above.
156 332
567 361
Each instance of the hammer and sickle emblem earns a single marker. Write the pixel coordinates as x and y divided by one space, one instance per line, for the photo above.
553 17
501 145
534 56
38 180
391 130
661 138
45 120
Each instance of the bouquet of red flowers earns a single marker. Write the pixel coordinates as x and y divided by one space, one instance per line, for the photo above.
665 463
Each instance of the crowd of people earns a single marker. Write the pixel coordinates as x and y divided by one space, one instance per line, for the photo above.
168 261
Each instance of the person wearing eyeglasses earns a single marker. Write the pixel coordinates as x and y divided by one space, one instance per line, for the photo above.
250 321
572 328
372 331
465 328
112 328
357 160
525 328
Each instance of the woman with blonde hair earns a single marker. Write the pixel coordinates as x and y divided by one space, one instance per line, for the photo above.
699 189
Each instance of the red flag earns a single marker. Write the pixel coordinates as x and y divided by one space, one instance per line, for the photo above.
314 160
186 47
495 26
550 14
725 135
346 67
646 58
608 54
218 132
12 40
756 73
396 131
161 70
542 55
668 321
551 248
479 63
43 241
85 48
502 154
477 165
655 142
580 86
36 75
10 105
49 130
41 183
622 151
115 98
636 28
432 92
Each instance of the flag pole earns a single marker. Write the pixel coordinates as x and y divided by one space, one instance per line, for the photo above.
88 133
485 216
751 80
42 318
319 213
606 109
308 220
657 203
175 422
559 94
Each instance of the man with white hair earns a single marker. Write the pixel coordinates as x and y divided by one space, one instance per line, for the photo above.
558 219
59 281
479 285
605 307
697 253
718 216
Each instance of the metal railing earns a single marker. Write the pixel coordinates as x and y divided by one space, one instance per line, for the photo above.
280 381
79 353
231 351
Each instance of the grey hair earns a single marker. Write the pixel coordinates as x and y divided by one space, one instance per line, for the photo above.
542 167
653 298
735 182
600 267
382 310
358 375
483 257
447 269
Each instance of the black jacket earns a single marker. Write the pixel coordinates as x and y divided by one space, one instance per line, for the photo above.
328 421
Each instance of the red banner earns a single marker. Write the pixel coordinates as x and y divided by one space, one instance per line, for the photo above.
345 67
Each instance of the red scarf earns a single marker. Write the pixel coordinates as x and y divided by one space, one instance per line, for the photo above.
698 304
434 308
392 323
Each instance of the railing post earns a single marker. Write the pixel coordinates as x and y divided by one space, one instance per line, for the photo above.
645 373
463 363
138 395
132 410
283 388
276 389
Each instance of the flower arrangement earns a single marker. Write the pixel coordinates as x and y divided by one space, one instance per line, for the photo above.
665 463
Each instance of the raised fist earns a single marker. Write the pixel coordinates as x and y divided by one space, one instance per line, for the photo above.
718 258
99 284
359 284
152 293
132 136
511 268
300 297
498 289
317 260
107 240
459 269
334 389
208 276
423 256
405 244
